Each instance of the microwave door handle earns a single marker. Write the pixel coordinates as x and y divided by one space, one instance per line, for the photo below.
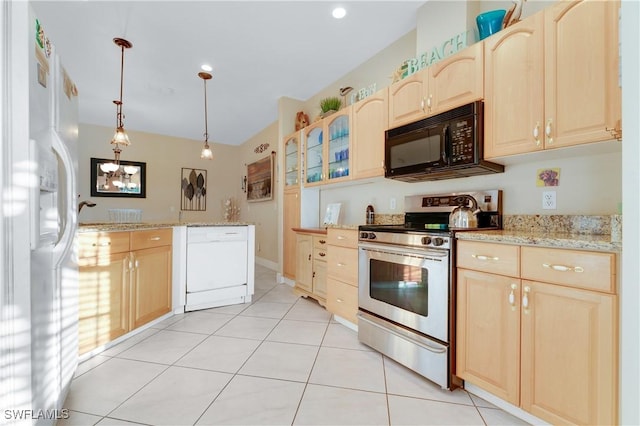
446 154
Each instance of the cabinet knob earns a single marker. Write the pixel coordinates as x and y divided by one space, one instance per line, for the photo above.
154 239
321 254
547 131
536 134
322 241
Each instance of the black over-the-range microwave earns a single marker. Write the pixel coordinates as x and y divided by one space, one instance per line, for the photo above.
445 146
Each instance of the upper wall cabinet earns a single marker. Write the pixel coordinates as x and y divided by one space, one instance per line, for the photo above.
291 161
452 82
370 121
327 149
551 80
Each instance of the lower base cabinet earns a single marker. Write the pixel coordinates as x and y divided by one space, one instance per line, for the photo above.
549 347
311 266
125 282
342 273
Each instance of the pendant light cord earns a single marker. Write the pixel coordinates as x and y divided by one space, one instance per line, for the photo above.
121 85
206 128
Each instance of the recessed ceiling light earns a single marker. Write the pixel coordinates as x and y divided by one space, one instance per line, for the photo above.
206 68
339 12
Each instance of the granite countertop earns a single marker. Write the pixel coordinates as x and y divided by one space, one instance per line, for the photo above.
110 226
545 239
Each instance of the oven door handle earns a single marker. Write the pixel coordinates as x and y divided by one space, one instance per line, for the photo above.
426 253
392 329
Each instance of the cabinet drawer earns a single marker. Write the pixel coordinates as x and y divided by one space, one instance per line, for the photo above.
151 238
342 264
342 300
320 242
91 244
574 268
343 237
487 257
320 254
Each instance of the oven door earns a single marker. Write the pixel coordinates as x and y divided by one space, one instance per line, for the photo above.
407 286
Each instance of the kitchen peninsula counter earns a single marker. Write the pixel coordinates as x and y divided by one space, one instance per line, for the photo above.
545 239
111 226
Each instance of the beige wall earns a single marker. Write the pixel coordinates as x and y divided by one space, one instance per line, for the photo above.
165 157
264 214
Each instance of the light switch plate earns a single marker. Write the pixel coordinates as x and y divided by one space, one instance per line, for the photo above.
549 200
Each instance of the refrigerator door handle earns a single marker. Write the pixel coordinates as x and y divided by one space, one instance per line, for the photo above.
67 208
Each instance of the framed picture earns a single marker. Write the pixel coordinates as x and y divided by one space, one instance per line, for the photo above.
260 179
193 189
126 179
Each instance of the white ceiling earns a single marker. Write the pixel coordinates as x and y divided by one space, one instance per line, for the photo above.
259 51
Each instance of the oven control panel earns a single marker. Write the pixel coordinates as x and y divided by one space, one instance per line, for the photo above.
410 239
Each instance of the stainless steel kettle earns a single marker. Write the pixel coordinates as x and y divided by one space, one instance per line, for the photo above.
463 216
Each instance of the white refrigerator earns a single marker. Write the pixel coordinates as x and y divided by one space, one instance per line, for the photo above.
53 134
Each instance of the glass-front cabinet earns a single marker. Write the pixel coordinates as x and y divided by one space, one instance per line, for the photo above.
291 160
327 149
314 154
338 129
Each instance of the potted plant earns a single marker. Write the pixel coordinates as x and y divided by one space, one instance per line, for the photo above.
330 105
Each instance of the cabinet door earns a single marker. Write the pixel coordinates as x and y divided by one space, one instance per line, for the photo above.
291 161
104 300
569 355
291 219
320 279
151 285
582 95
488 332
304 262
314 154
456 80
370 121
514 89
407 99
338 154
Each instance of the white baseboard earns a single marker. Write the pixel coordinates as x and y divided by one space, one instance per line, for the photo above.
504 405
281 279
267 263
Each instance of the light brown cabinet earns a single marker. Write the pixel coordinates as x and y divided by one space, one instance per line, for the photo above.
311 266
342 273
291 219
125 282
454 81
548 347
370 121
291 202
542 71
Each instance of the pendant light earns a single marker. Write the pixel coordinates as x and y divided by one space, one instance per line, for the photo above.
206 150
120 137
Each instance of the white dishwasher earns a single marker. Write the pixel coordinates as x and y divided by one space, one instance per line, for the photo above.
219 266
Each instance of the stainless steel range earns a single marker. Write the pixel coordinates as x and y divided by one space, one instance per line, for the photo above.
406 293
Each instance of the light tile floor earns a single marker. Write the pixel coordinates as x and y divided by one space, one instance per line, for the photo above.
280 360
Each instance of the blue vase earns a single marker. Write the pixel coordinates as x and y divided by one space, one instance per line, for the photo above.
490 22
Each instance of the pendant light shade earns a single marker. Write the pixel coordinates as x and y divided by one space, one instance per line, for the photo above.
120 137
206 153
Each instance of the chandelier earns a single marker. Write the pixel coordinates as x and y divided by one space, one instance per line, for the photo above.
206 150
120 137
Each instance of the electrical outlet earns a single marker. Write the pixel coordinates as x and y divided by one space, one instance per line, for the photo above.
392 203
549 200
